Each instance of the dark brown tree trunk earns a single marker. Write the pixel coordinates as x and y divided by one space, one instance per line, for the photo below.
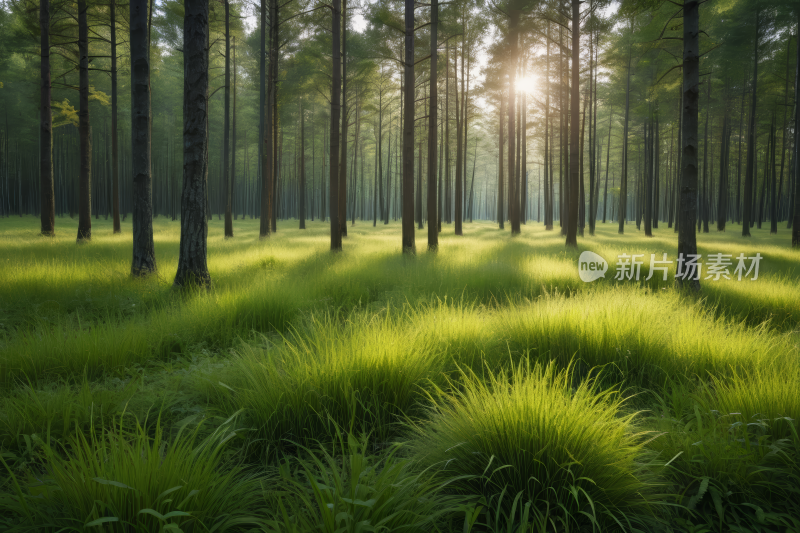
722 200
336 97
749 173
233 141
513 194
459 184
265 116
408 132
773 197
574 166
796 193
48 202
226 131
687 238
192 265
144 260
343 140
500 174
623 188
114 124
433 96
302 193
608 158
84 129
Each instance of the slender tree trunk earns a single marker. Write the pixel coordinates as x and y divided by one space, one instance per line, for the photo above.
192 265
144 260
48 202
623 189
343 140
408 132
457 205
574 167
749 175
84 128
500 174
302 207
114 122
265 118
796 213
722 200
226 147
433 96
336 97
687 238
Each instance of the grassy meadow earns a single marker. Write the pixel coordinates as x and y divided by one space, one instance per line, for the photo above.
481 388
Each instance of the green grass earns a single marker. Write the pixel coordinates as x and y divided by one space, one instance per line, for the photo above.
310 348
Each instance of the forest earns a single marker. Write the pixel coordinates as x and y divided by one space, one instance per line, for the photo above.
371 266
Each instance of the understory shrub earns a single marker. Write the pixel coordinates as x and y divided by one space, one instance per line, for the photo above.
124 480
570 452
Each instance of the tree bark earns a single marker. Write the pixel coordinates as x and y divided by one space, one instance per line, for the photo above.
192 265
84 129
226 128
796 214
623 188
574 167
343 140
687 238
47 187
433 96
144 260
265 116
336 89
114 122
751 138
408 132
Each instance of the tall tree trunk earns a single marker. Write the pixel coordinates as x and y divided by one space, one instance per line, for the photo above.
302 207
574 167
144 260
343 160
233 140
722 200
114 123
433 97
192 264
408 132
608 157
749 174
336 97
48 199
772 193
226 147
796 213
623 189
457 204
687 238
265 136
705 202
84 127
548 208
273 95
500 174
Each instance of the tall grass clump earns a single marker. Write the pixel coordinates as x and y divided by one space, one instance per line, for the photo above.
126 480
346 488
570 452
363 374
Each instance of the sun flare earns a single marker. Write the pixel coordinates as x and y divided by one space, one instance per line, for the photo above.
527 84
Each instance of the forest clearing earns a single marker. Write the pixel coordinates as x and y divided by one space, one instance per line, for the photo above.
375 376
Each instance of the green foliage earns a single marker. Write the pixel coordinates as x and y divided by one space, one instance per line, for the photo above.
348 488
568 450
127 480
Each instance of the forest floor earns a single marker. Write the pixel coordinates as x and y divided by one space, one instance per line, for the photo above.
621 403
